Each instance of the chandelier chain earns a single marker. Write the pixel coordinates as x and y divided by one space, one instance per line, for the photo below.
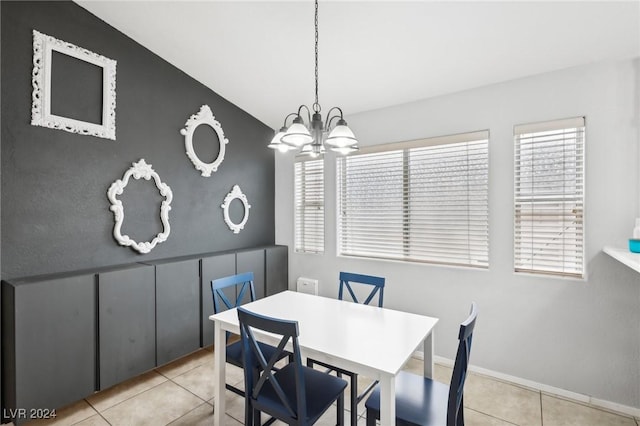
316 105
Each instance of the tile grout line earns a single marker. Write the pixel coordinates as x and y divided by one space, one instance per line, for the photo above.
127 399
190 411
492 416
184 372
147 390
590 406
103 418
541 410
97 413
188 390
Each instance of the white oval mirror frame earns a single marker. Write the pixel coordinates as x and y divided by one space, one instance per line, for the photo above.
235 194
139 170
204 116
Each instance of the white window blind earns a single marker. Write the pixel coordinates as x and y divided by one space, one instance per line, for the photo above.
309 206
421 201
549 197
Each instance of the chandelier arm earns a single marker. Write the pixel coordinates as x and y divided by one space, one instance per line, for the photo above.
308 112
331 110
330 120
293 114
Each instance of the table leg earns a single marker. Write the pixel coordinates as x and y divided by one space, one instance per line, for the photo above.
388 400
219 355
428 355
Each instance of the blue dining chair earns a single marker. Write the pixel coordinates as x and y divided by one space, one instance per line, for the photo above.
294 394
240 284
347 281
348 278
425 402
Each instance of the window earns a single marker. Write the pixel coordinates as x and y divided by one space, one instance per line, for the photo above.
309 206
549 198
420 201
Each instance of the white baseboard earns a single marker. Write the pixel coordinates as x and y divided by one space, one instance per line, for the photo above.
585 399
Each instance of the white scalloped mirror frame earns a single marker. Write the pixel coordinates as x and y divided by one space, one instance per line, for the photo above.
139 170
235 194
43 46
204 116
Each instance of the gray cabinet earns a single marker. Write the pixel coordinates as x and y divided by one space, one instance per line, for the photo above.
126 323
276 269
48 337
65 336
213 267
177 309
252 261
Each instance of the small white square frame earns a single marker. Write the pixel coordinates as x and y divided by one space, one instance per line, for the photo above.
43 46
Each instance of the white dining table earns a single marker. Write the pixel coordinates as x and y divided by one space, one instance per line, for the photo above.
368 340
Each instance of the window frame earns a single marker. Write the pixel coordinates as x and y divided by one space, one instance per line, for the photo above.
481 136
579 197
303 249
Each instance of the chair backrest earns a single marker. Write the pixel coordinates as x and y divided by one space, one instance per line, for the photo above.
252 354
240 282
245 281
455 404
347 278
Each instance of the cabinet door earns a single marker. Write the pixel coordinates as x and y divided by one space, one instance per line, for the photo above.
252 261
177 309
52 330
277 267
127 323
213 267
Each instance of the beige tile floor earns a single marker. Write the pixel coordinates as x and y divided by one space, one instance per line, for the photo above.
181 393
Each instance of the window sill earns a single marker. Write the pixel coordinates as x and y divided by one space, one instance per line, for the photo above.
632 260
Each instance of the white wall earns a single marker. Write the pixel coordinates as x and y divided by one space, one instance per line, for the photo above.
582 336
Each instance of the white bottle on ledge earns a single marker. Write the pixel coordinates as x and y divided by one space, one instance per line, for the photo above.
636 230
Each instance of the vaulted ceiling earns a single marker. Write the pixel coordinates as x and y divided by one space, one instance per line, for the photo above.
372 54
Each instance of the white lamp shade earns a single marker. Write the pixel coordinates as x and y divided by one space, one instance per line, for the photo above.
312 150
276 144
283 147
297 135
344 150
341 136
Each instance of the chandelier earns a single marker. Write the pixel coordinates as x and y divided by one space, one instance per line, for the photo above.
310 137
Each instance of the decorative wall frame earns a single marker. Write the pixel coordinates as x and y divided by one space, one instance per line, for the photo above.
235 194
204 116
43 46
139 170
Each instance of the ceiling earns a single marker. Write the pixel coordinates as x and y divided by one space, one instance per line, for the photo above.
372 54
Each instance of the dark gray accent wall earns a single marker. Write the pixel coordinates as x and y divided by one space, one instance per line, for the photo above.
55 214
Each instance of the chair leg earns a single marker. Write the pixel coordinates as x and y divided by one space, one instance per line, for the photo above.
248 419
340 410
460 417
371 418
256 417
354 399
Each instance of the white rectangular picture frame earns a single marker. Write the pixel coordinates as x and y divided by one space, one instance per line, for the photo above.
43 46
